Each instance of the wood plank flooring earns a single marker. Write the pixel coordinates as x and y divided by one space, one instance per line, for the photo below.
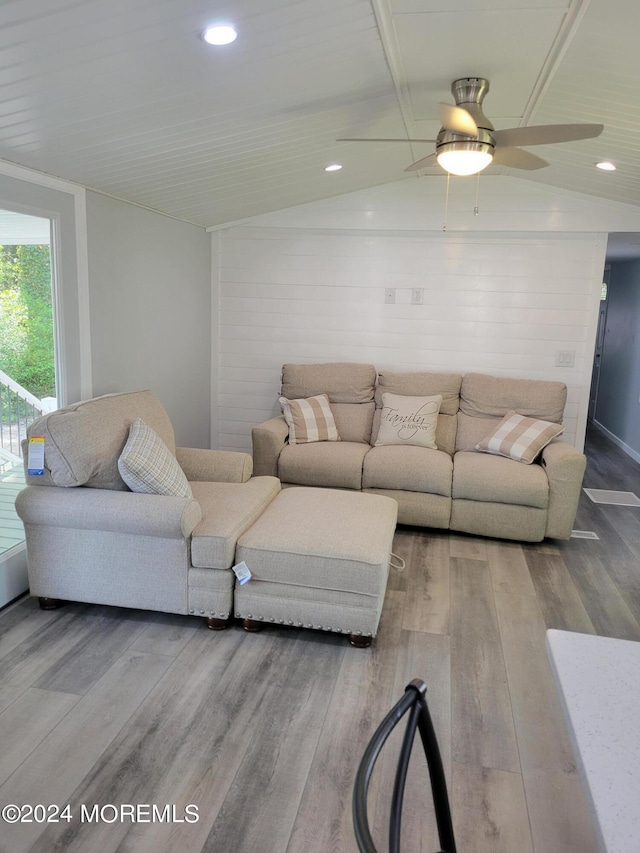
263 733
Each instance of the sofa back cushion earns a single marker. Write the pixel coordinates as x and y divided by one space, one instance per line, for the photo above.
84 441
354 420
485 400
424 384
350 388
342 382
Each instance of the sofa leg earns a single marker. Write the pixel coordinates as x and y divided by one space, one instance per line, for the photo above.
214 624
359 641
252 625
50 603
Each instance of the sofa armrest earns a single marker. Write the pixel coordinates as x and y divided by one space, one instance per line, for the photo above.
114 511
565 468
268 440
214 466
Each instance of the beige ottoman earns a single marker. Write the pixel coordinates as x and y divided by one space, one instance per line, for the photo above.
319 559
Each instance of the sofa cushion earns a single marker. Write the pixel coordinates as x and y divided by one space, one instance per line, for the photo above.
228 510
343 382
471 431
485 396
482 477
424 384
147 466
485 400
309 419
327 540
335 465
413 469
354 420
407 421
519 438
84 441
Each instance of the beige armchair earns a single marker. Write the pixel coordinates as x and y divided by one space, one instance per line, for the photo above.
90 539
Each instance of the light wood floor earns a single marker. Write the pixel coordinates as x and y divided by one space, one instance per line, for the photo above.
263 732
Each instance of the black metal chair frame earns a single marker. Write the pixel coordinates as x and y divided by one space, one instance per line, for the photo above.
415 703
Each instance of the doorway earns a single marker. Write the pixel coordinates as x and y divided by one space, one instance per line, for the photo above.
597 355
28 375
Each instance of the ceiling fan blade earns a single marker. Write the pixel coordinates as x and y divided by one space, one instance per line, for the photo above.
422 164
517 159
546 134
457 120
361 139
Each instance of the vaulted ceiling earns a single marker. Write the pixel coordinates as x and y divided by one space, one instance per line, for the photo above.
125 97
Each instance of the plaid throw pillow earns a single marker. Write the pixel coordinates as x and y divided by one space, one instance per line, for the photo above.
147 465
309 420
519 438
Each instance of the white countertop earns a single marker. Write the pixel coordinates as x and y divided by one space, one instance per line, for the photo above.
599 683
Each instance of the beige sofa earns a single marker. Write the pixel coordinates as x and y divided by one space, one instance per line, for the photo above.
90 539
453 486
318 561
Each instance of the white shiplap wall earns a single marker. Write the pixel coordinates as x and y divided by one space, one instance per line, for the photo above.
502 304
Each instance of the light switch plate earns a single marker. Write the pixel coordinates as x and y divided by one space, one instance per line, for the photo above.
565 358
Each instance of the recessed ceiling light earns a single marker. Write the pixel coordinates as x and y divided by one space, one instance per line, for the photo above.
334 167
606 166
220 34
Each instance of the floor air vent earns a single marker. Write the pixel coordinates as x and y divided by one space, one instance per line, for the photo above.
584 534
605 496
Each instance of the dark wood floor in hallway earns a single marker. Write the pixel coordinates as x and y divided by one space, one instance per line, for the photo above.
263 733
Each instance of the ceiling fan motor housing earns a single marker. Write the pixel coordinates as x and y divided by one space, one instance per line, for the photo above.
469 93
447 140
469 90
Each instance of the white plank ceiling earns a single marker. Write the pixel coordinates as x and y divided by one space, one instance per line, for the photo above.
125 97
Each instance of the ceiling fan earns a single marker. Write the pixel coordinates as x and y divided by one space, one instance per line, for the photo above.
468 142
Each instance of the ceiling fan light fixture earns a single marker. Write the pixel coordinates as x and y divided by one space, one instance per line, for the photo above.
464 158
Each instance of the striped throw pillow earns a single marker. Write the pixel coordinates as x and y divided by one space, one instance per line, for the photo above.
519 438
309 420
147 465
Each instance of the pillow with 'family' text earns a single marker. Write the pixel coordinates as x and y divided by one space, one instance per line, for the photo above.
409 420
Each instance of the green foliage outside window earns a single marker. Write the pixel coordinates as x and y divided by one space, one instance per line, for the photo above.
26 318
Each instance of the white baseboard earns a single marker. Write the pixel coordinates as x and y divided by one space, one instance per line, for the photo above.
617 441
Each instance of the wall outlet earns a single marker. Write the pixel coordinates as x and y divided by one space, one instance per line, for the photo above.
565 358
390 295
417 296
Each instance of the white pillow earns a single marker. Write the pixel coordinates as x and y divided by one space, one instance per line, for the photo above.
409 420
147 465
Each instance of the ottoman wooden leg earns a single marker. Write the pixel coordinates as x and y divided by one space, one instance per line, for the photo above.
50 603
252 625
359 641
214 624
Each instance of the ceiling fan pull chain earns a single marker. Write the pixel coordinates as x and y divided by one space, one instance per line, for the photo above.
446 204
476 210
